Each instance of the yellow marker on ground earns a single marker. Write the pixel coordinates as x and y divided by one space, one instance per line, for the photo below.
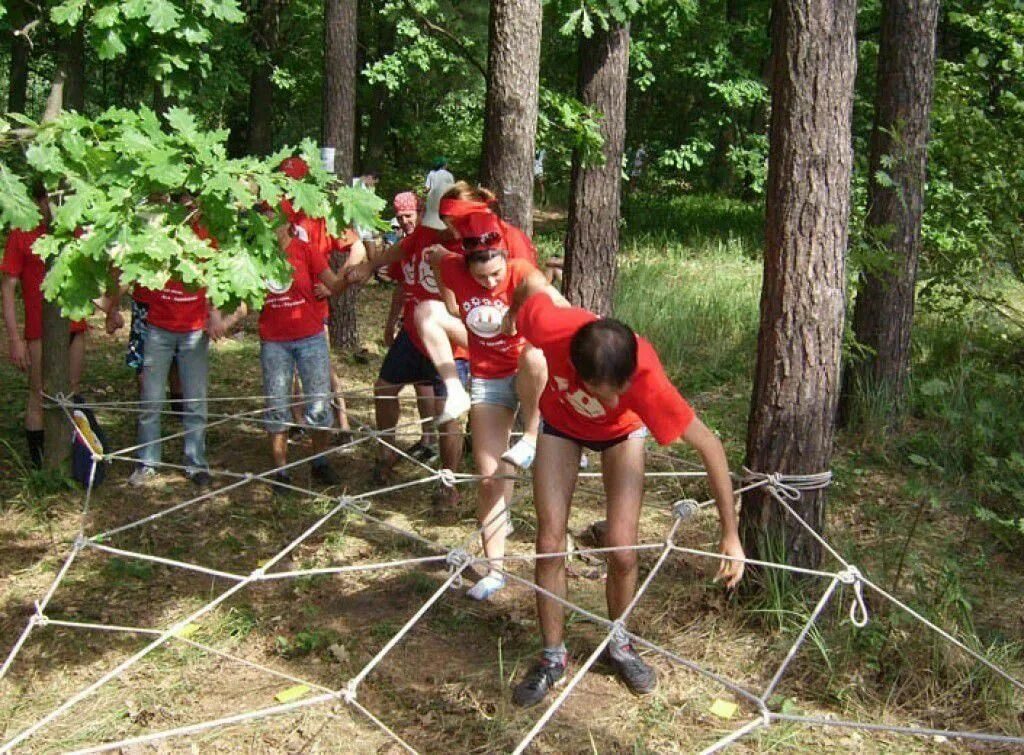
723 709
187 631
292 693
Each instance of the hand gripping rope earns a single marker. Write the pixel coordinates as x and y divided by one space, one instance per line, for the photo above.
784 489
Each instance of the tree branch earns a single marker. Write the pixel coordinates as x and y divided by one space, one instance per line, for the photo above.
440 31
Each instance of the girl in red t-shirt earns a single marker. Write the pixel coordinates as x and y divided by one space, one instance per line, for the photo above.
503 369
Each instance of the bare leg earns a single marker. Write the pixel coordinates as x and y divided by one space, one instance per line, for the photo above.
438 329
491 426
297 405
623 478
76 359
279 448
386 411
554 480
426 403
34 404
530 381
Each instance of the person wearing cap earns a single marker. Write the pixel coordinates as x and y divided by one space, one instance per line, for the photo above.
406 361
482 278
606 390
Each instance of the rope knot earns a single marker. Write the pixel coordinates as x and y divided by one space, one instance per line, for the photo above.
457 559
447 477
766 715
858 608
685 508
349 693
257 573
80 542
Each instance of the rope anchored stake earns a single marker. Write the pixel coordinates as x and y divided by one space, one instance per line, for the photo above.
858 608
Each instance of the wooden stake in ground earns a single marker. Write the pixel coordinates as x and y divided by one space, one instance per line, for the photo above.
510 127
796 384
884 312
592 243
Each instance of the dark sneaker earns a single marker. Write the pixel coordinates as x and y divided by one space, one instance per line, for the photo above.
325 475
201 479
296 435
534 687
423 453
640 678
282 477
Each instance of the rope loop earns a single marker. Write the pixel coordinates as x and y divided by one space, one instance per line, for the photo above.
447 477
456 559
685 508
790 487
858 608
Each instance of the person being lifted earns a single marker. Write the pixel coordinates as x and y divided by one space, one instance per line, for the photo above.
606 389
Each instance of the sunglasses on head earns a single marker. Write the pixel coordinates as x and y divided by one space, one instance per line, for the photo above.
471 243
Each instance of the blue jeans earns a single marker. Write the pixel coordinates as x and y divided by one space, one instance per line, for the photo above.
279 360
192 353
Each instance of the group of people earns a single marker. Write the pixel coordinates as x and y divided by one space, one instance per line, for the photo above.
477 328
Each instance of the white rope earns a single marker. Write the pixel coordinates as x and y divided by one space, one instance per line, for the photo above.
911 730
734 736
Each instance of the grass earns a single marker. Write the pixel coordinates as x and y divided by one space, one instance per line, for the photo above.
690 281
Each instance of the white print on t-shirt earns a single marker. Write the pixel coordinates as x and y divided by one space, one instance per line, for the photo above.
277 287
300 233
427 279
484 316
580 400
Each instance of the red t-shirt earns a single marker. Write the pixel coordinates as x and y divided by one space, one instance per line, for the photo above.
416 277
28 267
565 405
175 307
491 353
517 243
292 311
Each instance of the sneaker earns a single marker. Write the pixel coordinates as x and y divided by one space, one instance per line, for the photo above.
424 453
141 477
486 587
521 455
201 479
534 687
325 475
282 477
640 678
455 405
296 435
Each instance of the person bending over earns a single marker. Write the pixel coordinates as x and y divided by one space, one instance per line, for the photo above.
606 389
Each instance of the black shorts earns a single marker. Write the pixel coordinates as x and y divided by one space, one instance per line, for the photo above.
592 445
404 364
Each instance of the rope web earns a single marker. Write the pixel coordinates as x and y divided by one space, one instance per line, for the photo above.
785 490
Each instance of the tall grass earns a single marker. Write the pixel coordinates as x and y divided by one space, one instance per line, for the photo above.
698 305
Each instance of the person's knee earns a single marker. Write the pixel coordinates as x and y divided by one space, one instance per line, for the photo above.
550 540
491 489
532 362
622 561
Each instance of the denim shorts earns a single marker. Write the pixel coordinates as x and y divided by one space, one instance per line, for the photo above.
494 391
404 364
279 360
593 445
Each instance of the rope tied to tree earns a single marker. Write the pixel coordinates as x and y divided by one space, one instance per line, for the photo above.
858 608
789 486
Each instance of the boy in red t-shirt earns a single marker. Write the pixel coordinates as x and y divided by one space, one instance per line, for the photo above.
606 389
21 266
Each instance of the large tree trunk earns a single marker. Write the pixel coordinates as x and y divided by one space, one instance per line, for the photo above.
264 21
74 66
17 86
340 39
796 385
592 243
884 311
510 128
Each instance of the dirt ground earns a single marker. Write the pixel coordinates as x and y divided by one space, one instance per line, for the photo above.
445 687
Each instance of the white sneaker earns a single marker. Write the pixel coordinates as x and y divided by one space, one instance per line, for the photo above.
455 405
521 454
584 461
486 587
141 476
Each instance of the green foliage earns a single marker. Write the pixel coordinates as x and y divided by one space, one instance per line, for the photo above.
110 179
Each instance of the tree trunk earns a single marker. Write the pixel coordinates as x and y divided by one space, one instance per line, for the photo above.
592 243
56 336
17 88
884 311
340 40
510 129
264 23
74 66
796 385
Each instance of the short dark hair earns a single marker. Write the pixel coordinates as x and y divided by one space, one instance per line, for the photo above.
603 352
479 256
